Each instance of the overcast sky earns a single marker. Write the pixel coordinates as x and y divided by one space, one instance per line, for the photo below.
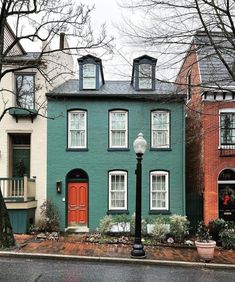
117 66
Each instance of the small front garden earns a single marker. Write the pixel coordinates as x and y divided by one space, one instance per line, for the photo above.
166 230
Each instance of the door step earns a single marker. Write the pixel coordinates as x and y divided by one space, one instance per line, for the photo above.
77 229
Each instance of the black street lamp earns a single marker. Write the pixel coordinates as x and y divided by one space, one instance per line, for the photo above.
139 145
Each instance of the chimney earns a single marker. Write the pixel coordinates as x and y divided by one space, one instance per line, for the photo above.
62 35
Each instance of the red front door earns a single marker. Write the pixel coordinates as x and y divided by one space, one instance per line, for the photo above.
77 203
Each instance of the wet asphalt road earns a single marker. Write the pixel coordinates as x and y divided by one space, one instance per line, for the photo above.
27 270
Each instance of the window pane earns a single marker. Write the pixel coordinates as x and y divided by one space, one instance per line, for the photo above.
89 83
89 70
25 91
77 121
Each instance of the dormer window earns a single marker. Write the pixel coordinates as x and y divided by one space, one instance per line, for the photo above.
90 73
143 73
89 76
145 76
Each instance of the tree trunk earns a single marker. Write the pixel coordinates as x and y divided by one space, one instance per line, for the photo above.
6 233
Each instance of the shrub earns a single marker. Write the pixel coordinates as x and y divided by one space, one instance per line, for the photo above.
105 224
227 238
159 230
203 234
215 227
179 227
122 221
49 221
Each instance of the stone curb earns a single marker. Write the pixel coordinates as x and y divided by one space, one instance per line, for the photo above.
117 260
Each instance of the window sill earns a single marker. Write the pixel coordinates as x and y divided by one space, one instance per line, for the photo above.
77 150
160 149
23 113
159 212
117 149
118 212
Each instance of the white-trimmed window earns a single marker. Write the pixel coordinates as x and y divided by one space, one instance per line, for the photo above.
77 127
118 129
117 190
89 76
227 128
159 190
160 127
145 76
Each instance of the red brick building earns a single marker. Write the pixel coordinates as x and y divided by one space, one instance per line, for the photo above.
210 129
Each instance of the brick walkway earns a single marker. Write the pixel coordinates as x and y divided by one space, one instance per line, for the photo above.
74 245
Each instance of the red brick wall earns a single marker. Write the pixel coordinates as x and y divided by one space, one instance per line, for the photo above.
203 161
194 147
213 163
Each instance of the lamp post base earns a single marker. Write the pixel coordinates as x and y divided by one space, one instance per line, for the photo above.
138 251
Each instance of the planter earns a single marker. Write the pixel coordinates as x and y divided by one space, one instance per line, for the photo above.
206 249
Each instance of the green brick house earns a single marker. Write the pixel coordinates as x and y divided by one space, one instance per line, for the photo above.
91 161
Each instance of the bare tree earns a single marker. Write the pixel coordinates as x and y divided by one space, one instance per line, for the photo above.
41 21
167 26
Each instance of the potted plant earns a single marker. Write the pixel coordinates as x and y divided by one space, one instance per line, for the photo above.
205 246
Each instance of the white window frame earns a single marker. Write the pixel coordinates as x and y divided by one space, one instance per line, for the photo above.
224 111
89 77
118 173
112 131
145 79
80 130
154 131
166 175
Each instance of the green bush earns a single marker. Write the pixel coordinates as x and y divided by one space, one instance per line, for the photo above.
203 234
49 221
179 227
215 227
160 229
227 238
105 224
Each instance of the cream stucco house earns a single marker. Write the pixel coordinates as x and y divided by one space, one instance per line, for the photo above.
23 127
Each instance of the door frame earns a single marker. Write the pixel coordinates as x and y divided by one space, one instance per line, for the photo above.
84 179
225 182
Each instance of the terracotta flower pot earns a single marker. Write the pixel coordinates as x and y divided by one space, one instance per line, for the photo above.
206 249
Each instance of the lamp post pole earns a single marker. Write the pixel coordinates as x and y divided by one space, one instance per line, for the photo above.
139 147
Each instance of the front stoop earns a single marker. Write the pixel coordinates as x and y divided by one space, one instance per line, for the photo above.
77 229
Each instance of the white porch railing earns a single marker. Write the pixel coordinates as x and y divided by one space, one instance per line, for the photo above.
17 188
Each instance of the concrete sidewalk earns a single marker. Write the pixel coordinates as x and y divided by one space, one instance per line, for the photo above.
74 247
